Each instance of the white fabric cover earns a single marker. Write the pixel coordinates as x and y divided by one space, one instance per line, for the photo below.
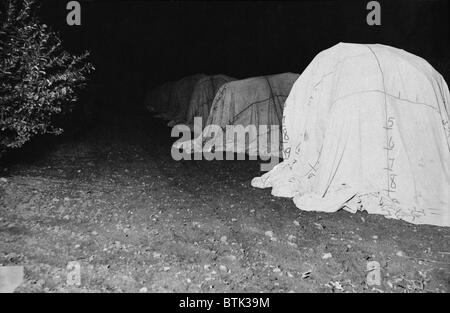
203 96
249 102
367 127
171 100
179 98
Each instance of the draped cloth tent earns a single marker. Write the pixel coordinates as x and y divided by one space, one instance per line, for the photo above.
251 102
171 100
366 127
180 96
202 97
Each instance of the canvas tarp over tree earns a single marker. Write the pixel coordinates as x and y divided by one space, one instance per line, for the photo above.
366 127
171 99
179 98
256 101
203 96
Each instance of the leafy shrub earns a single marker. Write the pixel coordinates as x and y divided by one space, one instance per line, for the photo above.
38 78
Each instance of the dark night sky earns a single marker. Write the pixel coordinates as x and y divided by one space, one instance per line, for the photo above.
139 44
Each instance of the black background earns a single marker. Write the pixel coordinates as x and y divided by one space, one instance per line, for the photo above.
136 45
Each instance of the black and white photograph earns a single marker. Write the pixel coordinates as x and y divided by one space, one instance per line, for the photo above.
223 152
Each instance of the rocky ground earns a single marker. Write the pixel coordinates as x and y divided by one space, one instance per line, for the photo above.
135 220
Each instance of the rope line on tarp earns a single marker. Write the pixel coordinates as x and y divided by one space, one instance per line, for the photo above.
253 103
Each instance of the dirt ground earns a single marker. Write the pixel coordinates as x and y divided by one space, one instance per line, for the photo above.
136 220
